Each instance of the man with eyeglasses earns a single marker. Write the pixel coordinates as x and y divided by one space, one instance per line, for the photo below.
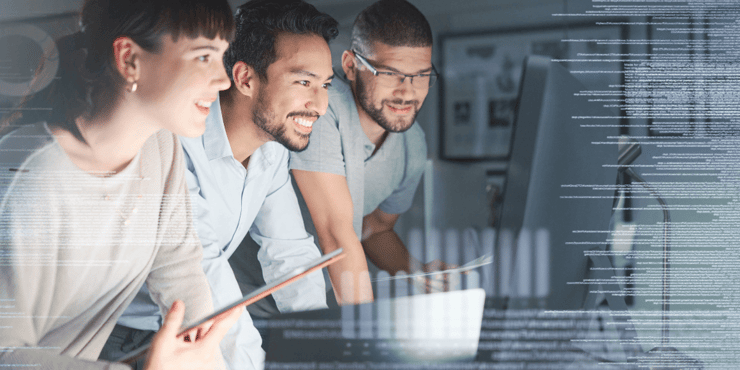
366 155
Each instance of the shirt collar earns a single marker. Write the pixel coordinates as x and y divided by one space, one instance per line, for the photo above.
215 141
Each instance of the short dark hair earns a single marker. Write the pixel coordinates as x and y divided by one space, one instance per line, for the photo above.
88 84
391 22
258 22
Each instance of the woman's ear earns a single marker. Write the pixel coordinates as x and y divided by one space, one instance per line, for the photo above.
125 53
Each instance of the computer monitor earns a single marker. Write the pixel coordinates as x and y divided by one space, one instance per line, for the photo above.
558 188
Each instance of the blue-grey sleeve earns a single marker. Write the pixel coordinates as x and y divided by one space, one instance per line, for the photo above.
241 347
415 157
285 245
324 151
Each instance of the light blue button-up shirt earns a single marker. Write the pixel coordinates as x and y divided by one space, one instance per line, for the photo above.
228 202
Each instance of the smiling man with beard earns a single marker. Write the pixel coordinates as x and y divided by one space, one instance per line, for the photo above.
237 172
366 156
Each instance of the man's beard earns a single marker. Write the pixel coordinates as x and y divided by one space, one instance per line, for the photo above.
266 120
377 113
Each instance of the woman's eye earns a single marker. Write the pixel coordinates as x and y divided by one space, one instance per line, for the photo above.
304 82
204 58
327 85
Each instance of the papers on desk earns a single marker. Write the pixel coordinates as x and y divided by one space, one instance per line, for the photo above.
478 262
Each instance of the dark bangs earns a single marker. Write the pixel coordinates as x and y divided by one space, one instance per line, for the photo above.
195 18
146 21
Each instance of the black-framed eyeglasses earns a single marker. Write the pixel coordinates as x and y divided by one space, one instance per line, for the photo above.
395 79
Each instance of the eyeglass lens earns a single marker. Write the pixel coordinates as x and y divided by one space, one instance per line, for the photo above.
391 79
395 79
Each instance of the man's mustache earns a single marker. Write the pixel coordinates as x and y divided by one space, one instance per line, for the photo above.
402 102
305 114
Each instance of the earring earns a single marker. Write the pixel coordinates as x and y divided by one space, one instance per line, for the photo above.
132 88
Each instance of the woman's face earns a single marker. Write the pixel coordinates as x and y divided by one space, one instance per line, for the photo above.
177 84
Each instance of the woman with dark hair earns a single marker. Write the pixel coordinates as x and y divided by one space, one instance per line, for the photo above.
94 201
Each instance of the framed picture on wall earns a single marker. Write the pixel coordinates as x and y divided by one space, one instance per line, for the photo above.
481 73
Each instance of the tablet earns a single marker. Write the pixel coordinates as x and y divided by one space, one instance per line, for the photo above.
254 296
478 262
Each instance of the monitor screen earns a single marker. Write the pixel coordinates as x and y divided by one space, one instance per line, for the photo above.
559 189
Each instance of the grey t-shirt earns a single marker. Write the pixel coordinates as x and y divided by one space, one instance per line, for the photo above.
386 180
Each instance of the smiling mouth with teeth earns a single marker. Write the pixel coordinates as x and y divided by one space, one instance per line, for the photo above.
303 122
203 106
400 109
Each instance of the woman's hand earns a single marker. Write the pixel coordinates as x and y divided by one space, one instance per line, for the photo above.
197 349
